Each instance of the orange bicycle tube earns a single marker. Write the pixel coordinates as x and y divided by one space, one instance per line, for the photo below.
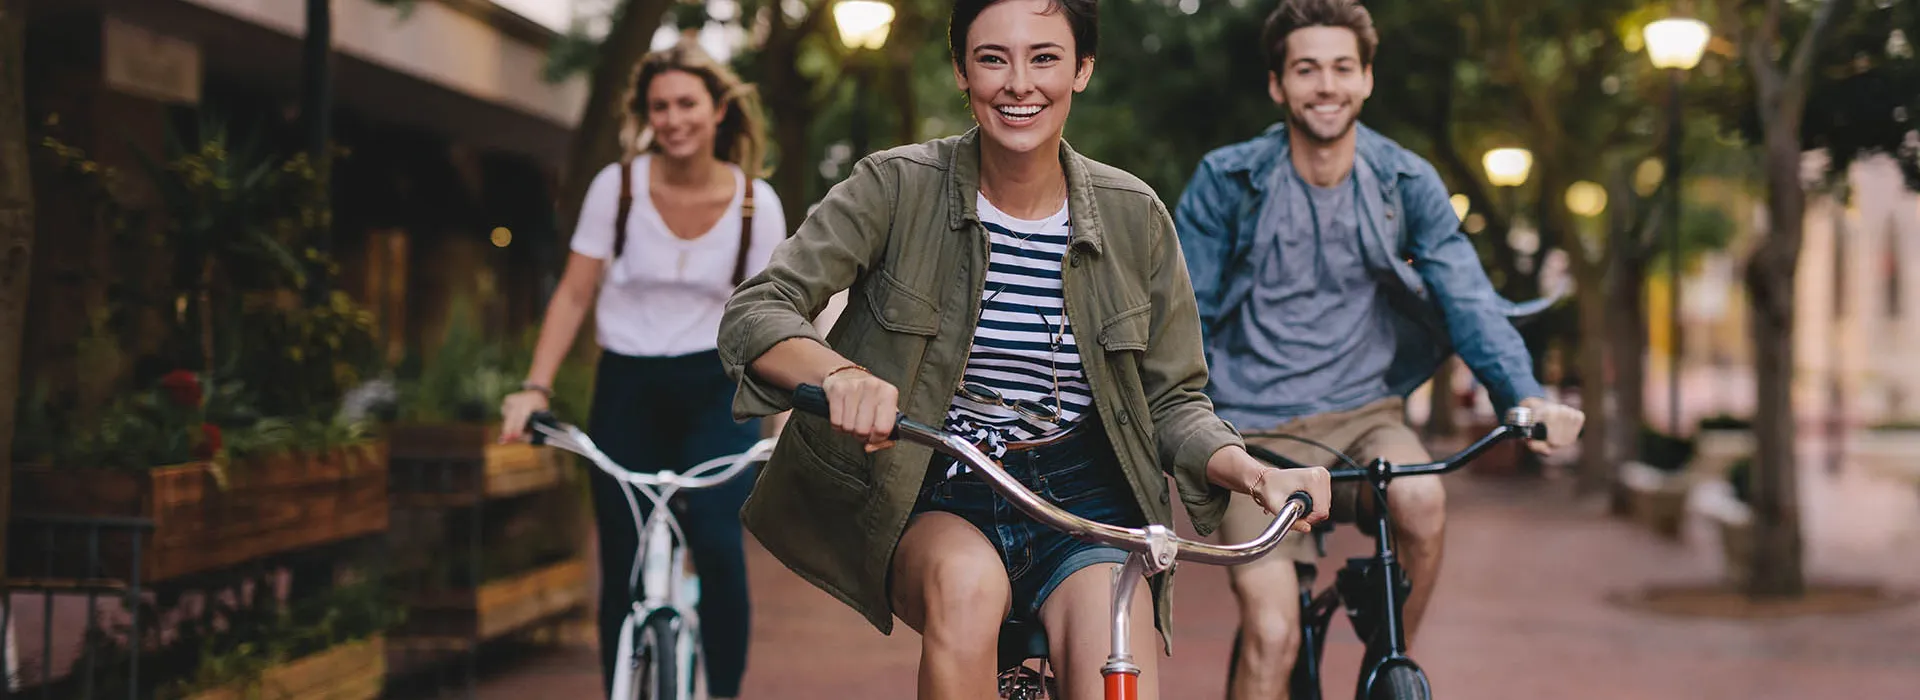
1122 685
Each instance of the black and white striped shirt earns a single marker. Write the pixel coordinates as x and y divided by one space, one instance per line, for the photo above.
1023 345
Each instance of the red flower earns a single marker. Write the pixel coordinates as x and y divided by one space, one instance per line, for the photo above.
210 442
183 387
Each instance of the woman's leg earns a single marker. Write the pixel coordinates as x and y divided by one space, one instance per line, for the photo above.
950 586
623 426
1078 616
711 520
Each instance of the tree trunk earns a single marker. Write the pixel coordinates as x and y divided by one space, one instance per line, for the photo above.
596 140
1776 497
911 22
1627 332
1597 458
16 237
788 95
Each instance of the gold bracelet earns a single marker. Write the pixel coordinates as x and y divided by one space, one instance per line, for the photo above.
1254 490
823 380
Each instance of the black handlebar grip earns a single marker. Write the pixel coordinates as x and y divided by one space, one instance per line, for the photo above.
1537 432
545 418
1306 500
810 398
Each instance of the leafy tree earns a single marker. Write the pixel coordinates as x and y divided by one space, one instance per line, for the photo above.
1852 56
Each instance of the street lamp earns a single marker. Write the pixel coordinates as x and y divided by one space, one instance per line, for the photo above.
863 26
1586 199
1507 169
1674 45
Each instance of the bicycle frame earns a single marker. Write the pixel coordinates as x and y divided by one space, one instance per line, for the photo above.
655 583
1372 586
1152 549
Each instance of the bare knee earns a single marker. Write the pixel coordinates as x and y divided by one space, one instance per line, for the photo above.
950 585
1419 507
1269 613
963 602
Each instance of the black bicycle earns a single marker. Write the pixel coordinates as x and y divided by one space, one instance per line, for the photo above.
1386 673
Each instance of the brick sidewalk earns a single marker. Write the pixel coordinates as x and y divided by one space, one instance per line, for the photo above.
1522 613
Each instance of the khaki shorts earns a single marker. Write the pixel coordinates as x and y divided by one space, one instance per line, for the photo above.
1376 429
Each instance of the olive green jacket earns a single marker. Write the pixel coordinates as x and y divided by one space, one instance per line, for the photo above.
902 232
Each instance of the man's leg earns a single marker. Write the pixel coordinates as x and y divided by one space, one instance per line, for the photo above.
1269 595
1419 508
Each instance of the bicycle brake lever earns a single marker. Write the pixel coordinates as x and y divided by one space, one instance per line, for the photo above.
540 418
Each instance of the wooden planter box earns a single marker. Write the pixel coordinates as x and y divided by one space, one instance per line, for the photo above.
1732 520
352 671
1654 499
271 505
454 619
458 464
1715 452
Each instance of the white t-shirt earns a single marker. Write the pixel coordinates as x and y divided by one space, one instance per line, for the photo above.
663 297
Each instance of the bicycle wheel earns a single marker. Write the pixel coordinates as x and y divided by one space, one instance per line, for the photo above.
1400 683
655 664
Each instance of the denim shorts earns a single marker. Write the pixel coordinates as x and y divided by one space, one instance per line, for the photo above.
1079 474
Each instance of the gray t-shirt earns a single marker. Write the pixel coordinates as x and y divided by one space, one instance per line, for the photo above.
1313 336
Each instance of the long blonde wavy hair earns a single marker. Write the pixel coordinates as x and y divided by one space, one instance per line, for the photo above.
740 138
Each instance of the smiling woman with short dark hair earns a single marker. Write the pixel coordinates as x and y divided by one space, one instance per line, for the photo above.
1025 297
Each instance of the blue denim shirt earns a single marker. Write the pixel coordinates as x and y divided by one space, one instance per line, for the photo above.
1440 296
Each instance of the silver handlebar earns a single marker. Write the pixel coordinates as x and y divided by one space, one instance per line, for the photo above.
570 438
1158 542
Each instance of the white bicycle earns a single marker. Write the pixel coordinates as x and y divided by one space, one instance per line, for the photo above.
659 656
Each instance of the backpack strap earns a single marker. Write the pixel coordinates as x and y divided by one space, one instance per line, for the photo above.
626 205
746 235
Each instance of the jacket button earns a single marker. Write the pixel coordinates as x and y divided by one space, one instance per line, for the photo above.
1124 418
1074 260
1164 500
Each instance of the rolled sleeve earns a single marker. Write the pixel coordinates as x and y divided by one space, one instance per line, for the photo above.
836 245
1174 375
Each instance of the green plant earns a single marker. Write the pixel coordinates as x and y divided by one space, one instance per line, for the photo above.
240 632
466 375
250 638
1740 476
302 359
1664 452
166 423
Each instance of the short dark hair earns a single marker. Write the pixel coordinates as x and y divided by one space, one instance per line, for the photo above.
1294 15
1082 15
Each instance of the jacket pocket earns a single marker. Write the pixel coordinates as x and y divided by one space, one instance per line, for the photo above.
1128 330
829 456
899 308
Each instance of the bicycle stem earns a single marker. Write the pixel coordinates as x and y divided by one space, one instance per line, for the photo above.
1126 580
